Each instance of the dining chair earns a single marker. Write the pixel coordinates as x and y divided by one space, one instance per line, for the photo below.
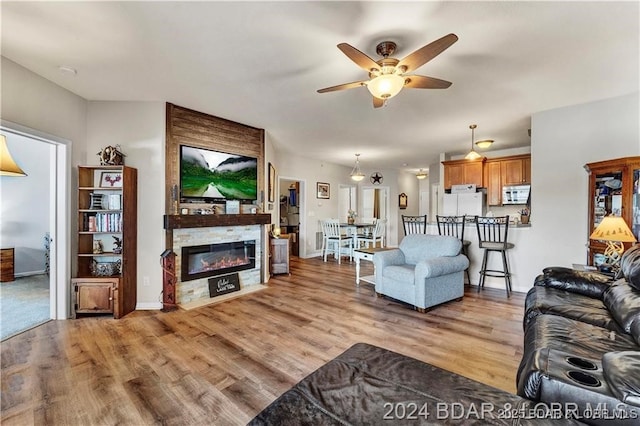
454 226
414 224
492 237
377 235
334 240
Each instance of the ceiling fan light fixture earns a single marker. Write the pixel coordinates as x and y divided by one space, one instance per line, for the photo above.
386 86
484 144
356 174
421 175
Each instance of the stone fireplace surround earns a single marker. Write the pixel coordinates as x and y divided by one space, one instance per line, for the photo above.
193 230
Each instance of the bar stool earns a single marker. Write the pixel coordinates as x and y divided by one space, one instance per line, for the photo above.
492 237
454 226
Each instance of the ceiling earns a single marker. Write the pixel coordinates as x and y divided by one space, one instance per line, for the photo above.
260 63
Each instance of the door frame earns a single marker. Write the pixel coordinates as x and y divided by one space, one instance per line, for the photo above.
302 208
59 220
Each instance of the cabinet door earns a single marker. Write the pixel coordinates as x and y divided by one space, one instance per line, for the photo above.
94 296
453 175
512 172
494 183
473 173
526 170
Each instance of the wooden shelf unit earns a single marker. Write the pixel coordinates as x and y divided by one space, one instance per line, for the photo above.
94 292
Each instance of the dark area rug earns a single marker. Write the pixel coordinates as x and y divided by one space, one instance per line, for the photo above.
24 304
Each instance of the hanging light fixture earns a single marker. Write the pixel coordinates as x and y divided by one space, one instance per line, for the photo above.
421 175
356 174
484 144
8 166
472 155
386 86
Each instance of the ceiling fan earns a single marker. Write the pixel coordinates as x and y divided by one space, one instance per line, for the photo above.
387 76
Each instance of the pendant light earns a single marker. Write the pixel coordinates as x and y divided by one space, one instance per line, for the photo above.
8 166
472 155
421 175
356 174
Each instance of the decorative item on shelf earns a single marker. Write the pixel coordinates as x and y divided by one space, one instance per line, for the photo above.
524 216
95 201
105 269
356 173
111 180
376 178
615 231
97 247
351 216
111 156
117 245
8 166
421 175
472 155
231 207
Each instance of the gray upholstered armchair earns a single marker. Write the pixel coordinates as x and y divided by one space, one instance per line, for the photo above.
424 271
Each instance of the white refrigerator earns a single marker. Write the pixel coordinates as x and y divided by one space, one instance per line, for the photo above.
471 204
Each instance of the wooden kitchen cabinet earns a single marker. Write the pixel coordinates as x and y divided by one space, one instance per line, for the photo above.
516 170
7 265
459 172
614 189
493 179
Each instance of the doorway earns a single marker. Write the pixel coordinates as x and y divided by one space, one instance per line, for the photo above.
36 254
290 212
375 204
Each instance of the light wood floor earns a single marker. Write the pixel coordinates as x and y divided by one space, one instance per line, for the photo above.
223 363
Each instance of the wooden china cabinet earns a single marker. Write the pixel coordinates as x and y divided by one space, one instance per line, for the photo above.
614 189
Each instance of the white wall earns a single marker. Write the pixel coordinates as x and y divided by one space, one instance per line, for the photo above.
24 212
139 128
563 140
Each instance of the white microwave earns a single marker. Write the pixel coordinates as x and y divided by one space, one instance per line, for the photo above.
515 194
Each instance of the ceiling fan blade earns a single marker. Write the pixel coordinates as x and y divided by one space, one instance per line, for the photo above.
427 53
377 102
362 60
342 87
422 82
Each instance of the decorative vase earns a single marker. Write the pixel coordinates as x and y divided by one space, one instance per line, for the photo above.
351 220
524 219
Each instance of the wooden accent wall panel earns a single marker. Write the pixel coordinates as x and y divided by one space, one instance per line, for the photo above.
193 128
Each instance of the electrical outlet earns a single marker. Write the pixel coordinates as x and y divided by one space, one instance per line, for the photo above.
146 282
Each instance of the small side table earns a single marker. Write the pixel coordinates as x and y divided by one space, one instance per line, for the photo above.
367 254
7 265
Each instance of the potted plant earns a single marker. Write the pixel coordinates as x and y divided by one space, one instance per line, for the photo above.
524 216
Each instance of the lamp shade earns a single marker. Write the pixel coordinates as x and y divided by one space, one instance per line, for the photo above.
472 155
386 86
613 228
8 166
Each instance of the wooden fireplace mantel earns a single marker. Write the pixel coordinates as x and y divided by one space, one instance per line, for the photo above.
176 221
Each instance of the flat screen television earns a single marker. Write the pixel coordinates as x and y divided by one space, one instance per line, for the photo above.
211 176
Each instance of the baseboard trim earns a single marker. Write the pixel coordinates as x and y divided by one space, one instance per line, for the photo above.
149 306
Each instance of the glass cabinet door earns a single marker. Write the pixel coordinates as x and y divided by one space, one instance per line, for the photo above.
607 196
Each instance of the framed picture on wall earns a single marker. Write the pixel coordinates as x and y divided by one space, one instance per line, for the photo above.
322 190
272 183
402 201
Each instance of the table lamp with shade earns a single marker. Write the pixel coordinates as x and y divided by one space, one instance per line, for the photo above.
613 230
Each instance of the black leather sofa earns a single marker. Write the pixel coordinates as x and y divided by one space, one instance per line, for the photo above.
582 343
